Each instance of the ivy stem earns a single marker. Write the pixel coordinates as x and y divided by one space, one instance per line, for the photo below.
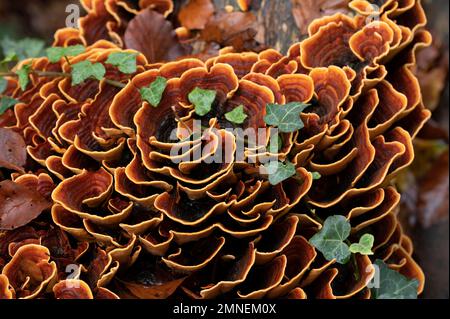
67 60
355 266
314 215
174 110
61 74
115 83
2 74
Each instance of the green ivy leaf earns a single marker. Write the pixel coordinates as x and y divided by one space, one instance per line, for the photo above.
3 85
275 147
236 116
364 247
153 94
4 64
85 70
279 172
55 54
24 76
6 102
285 117
316 175
393 285
22 49
330 239
125 61
202 100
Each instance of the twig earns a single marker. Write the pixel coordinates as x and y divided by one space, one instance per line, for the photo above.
61 74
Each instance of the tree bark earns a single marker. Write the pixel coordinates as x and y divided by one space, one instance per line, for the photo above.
280 30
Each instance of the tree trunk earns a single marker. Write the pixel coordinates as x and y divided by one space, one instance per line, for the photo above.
280 30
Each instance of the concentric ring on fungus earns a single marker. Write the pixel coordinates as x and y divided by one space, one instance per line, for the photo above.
142 224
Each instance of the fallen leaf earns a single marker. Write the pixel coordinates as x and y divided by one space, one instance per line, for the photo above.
424 186
19 205
13 153
204 50
236 29
22 234
433 193
305 11
432 72
433 130
195 14
150 33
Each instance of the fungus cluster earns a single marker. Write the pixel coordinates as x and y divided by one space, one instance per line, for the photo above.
94 204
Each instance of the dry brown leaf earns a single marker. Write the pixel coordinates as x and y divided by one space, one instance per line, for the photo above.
236 29
305 11
150 33
433 193
13 153
432 72
425 185
19 205
195 14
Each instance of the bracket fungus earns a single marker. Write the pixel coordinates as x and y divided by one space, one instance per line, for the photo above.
138 220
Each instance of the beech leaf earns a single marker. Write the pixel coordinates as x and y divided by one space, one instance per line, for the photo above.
13 150
364 247
393 285
202 100
55 54
125 61
85 70
196 14
19 205
236 116
306 11
151 34
330 240
285 117
279 172
153 94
